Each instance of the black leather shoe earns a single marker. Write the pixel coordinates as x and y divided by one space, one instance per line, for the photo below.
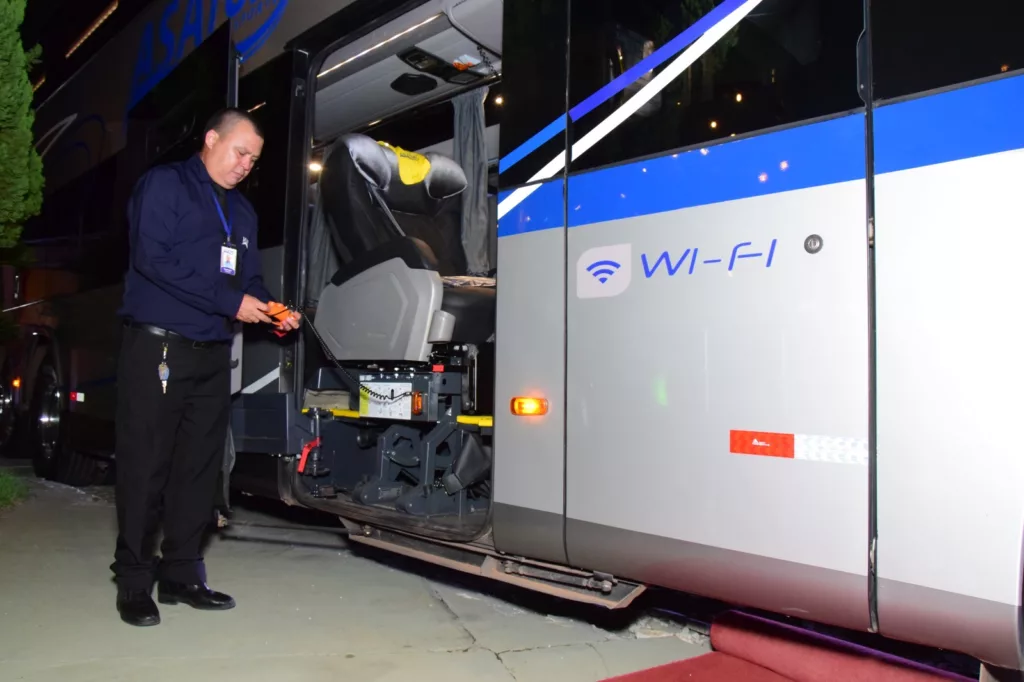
197 595
137 608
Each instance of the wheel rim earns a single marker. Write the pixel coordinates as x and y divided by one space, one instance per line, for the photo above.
49 421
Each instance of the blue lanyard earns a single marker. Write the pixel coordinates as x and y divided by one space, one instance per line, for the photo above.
220 212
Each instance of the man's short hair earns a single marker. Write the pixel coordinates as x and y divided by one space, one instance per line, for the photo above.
226 119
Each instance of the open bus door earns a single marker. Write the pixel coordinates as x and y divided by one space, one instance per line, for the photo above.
166 124
265 410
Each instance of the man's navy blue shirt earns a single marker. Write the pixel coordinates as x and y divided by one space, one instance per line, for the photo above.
176 234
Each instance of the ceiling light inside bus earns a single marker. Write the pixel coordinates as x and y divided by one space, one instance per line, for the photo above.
378 45
92 28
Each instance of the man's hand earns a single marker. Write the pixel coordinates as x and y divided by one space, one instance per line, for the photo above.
285 320
252 310
291 322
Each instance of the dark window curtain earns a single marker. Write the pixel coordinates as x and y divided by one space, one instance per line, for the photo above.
471 153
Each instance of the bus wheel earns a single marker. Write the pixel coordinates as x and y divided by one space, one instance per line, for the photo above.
51 457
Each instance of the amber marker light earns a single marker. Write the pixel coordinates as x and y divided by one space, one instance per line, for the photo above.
529 407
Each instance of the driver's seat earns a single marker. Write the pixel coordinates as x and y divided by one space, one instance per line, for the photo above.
388 301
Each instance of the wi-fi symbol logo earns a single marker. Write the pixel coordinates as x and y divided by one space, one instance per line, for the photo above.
603 269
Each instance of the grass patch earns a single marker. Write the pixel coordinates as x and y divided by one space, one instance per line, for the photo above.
12 489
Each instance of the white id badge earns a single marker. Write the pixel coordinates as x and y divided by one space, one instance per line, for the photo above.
228 260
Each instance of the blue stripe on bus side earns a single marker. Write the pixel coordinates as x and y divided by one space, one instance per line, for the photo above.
816 154
939 128
534 143
797 158
949 126
674 46
542 210
623 81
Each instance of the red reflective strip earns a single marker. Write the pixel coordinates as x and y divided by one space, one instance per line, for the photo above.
762 443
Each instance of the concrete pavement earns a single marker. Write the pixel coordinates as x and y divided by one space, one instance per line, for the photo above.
310 608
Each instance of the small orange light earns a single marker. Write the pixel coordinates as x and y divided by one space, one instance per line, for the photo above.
417 403
16 383
529 407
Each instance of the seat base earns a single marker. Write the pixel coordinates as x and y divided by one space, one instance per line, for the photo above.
474 309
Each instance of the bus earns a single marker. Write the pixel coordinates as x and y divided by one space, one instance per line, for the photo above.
710 295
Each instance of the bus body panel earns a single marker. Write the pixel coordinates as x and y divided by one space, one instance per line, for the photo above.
733 419
950 473
529 452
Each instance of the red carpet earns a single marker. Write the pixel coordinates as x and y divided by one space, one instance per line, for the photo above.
752 649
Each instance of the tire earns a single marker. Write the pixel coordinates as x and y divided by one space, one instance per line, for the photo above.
52 459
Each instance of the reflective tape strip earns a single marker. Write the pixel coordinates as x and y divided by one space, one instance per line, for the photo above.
834 449
763 443
831 449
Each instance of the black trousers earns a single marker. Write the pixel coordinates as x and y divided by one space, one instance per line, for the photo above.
169 450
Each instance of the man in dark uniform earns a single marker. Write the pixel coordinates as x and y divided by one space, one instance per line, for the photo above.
194 270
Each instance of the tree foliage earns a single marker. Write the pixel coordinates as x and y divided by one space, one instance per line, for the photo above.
21 169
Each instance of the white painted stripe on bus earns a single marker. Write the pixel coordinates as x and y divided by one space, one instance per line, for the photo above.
263 381
633 104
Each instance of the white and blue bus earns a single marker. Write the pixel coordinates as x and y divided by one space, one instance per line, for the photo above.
711 295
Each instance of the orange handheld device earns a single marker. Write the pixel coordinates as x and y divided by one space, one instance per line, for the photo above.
277 312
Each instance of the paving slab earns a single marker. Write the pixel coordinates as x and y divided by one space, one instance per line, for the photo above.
310 608
470 665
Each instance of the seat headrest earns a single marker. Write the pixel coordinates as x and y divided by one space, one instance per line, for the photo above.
368 158
408 182
420 183
444 178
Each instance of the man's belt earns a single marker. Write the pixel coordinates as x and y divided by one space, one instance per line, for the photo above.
166 333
